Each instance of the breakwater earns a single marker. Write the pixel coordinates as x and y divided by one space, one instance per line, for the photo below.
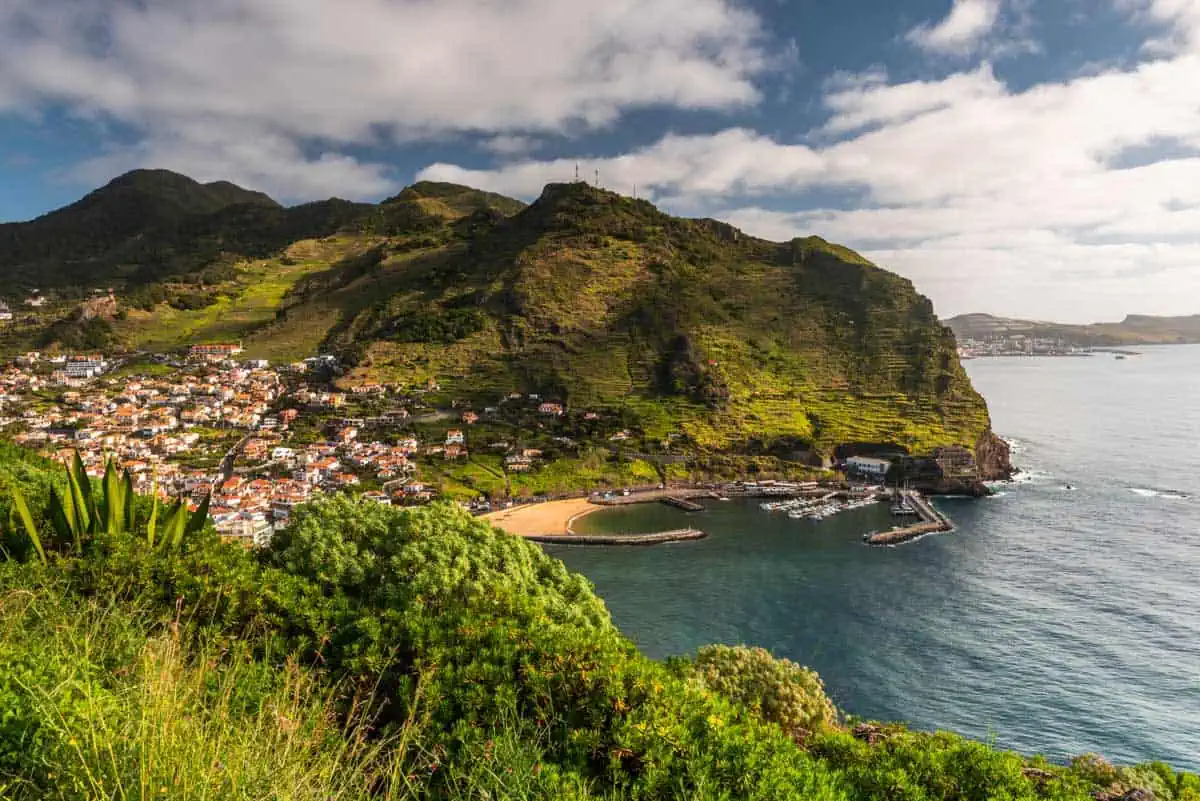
932 522
648 496
678 535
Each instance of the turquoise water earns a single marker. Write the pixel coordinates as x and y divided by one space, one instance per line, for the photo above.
1053 621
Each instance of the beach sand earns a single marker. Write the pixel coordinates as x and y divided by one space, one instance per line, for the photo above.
551 517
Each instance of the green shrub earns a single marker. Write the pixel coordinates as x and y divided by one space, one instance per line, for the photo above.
779 690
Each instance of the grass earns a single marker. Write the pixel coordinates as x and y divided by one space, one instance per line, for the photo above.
246 306
120 709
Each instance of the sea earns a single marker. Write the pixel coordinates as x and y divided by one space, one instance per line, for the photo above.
1061 617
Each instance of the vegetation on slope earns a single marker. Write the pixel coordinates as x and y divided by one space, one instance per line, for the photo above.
381 653
688 328
152 224
689 325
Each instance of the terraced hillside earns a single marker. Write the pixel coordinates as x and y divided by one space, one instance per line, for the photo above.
689 330
684 326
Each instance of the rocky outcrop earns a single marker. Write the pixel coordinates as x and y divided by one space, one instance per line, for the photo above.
959 471
993 457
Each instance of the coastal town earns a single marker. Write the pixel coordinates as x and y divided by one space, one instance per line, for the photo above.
255 438
258 440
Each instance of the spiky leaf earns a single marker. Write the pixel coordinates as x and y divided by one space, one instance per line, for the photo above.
199 517
114 499
22 509
60 518
127 491
82 508
92 519
153 522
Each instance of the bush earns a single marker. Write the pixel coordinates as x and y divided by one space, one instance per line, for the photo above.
778 690
374 652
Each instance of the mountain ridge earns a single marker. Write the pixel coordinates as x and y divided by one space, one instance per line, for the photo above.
1134 329
691 330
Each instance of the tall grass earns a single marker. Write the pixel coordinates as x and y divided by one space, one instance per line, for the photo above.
107 706
111 720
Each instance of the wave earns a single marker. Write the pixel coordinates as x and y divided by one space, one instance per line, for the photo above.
1031 477
1171 495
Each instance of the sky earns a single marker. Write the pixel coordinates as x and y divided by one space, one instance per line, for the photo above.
1028 158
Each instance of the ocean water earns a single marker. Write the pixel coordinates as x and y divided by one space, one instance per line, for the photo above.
1056 621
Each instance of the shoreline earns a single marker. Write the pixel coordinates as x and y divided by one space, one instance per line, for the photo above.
552 518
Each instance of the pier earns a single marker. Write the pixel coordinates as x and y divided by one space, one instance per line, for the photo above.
673 497
932 522
678 535
682 503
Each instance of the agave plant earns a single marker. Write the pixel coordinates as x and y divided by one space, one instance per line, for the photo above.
78 516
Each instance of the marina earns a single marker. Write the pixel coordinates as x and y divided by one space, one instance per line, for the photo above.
822 506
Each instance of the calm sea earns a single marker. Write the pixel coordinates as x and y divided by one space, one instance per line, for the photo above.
1056 621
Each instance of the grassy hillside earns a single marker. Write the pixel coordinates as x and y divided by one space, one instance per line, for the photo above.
689 326
377 653
149 225
689 330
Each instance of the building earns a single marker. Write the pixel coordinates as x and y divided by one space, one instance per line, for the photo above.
252 530
6 314
550 408
215 352
868 466
85 366
455 436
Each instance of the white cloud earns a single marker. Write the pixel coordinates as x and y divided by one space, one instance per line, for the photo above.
729 162
1016 202
372 71
1181 17
511 145
963 29
249 157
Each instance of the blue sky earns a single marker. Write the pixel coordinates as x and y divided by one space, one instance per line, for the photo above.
1036 158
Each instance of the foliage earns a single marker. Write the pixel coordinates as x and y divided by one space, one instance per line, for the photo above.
779 690
78 517
449 326
385 653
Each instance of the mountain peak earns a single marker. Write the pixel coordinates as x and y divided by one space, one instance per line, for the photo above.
185 194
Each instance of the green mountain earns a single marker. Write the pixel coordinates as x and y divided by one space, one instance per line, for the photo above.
1135 329
690 330
148 225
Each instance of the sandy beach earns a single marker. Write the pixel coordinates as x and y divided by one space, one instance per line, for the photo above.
551 517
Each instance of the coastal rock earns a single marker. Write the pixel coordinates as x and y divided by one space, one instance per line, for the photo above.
869 733
957 470
994 457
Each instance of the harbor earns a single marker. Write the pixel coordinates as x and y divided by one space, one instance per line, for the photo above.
909 503
552 522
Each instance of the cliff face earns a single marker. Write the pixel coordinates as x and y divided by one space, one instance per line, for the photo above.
957 470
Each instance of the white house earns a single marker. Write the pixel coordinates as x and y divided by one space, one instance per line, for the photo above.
868 466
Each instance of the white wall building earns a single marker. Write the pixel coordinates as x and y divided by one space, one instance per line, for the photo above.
868 466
